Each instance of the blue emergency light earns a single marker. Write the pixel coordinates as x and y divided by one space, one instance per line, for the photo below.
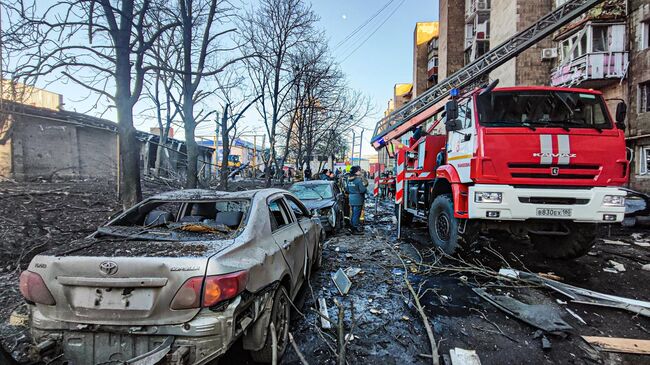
454 92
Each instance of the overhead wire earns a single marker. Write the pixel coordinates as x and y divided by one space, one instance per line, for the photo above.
374 31
363 25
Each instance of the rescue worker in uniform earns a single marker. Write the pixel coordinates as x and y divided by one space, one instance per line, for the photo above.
356 189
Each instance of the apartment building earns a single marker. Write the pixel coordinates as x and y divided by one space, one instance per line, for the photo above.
638 92
477 29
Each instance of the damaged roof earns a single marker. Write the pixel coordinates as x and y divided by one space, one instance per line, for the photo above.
81 120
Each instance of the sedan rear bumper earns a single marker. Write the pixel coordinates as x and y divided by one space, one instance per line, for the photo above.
204 338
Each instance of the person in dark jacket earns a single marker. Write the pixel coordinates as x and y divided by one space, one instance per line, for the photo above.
307 174
357 191
324 175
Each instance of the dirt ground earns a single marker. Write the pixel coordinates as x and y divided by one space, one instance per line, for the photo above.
379 312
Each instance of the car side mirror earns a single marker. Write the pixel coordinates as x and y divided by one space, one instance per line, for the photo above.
451 110
451 116
621 113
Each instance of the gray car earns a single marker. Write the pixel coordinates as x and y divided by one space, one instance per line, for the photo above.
176 279
324 199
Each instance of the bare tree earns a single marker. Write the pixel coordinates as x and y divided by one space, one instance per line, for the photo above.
100 45
197 57
276 30
234 105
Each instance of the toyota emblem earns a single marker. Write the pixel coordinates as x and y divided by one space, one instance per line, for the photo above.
108 267
555 171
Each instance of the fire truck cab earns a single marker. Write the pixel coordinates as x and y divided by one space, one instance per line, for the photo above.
540 162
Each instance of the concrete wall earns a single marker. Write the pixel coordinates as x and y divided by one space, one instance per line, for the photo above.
420 59
531 70
503 25
452 37
47 147
506 19
5 147
43 147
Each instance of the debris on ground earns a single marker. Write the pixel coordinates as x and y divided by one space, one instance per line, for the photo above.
537 315
576 316
617 266
325 316
342 282
626 345
352 271
460 356
585 296
31 222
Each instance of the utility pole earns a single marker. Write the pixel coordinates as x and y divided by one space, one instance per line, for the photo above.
216 144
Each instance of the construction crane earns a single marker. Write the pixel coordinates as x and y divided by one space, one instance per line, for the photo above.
431 102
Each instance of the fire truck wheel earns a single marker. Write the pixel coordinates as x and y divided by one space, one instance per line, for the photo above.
581 238
444 227
407 218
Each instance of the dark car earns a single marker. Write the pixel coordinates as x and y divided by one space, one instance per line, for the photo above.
324 199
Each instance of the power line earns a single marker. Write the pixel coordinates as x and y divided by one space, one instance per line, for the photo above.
374 31
339 44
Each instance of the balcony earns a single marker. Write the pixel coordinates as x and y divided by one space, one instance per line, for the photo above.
592 70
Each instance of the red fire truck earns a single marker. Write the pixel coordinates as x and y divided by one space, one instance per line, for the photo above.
540 162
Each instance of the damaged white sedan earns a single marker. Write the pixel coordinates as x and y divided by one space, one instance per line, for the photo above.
175 280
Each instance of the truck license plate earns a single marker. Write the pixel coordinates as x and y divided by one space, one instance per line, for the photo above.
550 212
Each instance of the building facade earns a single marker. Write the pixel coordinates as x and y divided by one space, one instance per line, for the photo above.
39 139
638 89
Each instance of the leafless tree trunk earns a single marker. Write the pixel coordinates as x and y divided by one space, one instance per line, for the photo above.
276 30
96 43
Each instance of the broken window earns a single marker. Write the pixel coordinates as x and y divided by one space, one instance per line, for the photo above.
644 160
180 220
298 210
600 39
644 97
278 214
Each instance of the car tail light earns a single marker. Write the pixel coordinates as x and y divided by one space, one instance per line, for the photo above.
222 287
189 295
215 288
33 288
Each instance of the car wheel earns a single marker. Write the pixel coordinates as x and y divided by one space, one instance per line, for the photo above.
280 317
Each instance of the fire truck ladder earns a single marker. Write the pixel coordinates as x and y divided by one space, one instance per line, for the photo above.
417 111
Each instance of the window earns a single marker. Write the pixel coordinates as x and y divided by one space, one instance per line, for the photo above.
571 48
312 191
278 214
644 160
465 112
299 211
600 39
644 97
562 109
645 35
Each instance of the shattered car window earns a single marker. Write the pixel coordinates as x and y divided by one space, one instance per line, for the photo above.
312 191
181 221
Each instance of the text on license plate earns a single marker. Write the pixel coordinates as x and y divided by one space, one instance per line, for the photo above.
550 212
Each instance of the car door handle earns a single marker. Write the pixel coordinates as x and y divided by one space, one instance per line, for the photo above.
286 244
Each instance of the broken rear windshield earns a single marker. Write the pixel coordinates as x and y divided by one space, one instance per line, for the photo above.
180 220
542 108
